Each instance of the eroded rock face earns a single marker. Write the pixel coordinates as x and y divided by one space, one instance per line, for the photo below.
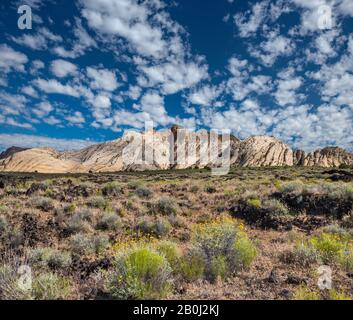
168 150
263 151
327 157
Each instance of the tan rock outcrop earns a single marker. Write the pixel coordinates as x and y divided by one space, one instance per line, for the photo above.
170 149
263 151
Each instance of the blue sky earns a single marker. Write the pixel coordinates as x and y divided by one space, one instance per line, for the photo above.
90 69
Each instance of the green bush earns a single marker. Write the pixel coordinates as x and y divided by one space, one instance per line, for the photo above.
80 222
328 246
159 227
108 221
192 265
99 202
225 247
140 273
304 293
325 248
88 245
43 203
112 189
50 257
171 252
347 221
165 206
276 207
49 286
4 226
254 202
10 288
346 258
144 192
303 255
295 187
70 208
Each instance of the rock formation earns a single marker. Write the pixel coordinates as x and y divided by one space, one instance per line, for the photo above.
327 157
176 148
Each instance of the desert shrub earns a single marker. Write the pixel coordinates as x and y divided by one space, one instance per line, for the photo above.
4 226
217 268
50 257
100 243
328 246
171 252
70 208
347 221
108 221
10 288
346 258
144 192
43 203
80 222
225 246
176 221
165 206
254 202
12 191
339 295
140 273
294 187
192 265
302 254
276 208
341 191
88 245
99 202
15 237
338 230
159 227
245 251
304 293
134 184
112 189
50 286
325 248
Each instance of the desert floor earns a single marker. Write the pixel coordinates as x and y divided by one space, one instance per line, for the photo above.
253 234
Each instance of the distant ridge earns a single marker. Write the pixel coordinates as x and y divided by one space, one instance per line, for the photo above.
123 155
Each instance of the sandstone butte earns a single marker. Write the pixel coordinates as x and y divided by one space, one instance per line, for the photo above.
124 154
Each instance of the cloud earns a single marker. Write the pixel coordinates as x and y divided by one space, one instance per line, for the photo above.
204 96
33 141
38 41
275 46
29 91
54 86
127 19
76 118
173 77
12 104
250 22
43 109
14 123
82 42
287 87
102 79
62 68
241 84
155 40
11 60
